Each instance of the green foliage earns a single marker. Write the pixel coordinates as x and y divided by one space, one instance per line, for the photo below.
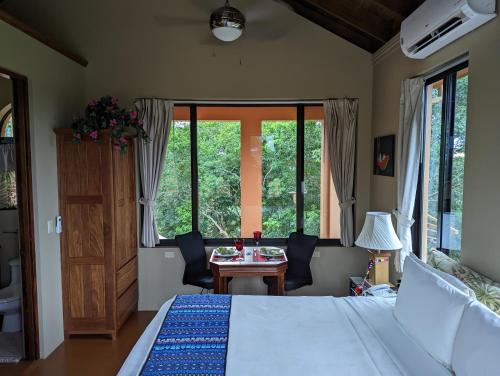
219 179
173 201
457 173
279 142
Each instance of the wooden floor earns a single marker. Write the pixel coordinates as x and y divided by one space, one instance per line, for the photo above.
86 355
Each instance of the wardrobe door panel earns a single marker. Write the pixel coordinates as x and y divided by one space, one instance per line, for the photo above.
87 296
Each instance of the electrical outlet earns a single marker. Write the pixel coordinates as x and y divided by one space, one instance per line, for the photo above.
316 254
169 254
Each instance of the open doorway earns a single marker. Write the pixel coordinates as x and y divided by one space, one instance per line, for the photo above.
18 312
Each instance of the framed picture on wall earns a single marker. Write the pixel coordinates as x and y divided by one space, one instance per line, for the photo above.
383 158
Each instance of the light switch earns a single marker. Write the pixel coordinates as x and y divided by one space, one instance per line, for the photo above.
50 226
316 254
169 254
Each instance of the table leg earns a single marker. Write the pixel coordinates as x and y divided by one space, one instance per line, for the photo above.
271 287
217 284
223 285
280 285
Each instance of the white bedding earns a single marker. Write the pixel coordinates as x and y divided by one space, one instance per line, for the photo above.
309 336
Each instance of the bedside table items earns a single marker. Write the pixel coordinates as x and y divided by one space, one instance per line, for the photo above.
378 235
358 286
383 290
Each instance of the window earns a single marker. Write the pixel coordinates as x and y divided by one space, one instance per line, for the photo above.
8 192
443 163
6 124
231 170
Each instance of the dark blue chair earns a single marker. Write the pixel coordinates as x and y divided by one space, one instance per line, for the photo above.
300 249
193 252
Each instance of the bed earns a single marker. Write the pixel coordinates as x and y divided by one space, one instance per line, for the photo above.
309 336
435 327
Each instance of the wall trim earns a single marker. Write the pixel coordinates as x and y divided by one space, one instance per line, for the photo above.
386 49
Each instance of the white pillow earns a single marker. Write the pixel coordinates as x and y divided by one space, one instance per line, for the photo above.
447 277
429 309
477 345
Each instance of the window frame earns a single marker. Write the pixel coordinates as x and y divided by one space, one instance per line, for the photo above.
449 77
300 106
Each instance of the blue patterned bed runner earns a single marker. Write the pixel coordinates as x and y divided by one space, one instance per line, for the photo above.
193 337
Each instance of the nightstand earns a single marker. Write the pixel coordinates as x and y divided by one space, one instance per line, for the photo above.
356 281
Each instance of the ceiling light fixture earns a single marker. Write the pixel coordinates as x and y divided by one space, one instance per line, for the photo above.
227 23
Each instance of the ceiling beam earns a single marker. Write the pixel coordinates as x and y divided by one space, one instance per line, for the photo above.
343 28
32 32
401 7
359 14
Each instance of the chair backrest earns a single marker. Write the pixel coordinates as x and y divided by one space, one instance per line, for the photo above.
300 249
193 252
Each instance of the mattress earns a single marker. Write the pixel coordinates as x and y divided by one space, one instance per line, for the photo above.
309 336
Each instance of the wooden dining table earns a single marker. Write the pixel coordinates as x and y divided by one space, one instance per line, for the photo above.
260 266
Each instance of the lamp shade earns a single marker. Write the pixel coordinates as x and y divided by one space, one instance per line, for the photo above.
378 233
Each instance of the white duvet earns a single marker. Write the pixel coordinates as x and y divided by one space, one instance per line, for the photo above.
299 336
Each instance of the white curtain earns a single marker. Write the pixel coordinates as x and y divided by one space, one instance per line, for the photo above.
409 147
157 116
340 133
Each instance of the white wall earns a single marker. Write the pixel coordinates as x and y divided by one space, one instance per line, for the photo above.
5 93
480 238
161 50
160 277
150 51
55 95
185 63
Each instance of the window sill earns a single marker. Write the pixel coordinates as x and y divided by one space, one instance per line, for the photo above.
264 242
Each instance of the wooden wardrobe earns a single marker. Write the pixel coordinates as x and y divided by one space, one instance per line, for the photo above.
97 202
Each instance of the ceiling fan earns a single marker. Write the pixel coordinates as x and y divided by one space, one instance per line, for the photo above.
227 23
257 20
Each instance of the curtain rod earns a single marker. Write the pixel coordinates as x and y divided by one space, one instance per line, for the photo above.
243 101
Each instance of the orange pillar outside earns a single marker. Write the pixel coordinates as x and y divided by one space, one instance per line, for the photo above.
251 176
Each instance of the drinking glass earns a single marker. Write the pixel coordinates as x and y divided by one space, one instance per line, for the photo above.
238 243
257 235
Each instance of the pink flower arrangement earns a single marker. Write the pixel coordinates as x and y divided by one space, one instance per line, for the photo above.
106 114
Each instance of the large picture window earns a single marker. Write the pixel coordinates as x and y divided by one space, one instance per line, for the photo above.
231 170
443 163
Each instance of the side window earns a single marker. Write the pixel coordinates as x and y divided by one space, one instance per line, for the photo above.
443 162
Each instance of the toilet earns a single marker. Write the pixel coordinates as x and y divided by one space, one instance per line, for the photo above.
10 299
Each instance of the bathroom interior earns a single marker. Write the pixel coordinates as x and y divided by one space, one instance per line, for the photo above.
11 334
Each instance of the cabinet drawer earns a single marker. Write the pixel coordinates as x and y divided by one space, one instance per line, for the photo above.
127 304
126 276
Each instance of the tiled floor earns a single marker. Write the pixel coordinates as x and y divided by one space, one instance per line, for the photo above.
84 355
11 347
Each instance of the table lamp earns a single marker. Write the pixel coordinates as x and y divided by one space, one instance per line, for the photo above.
378 235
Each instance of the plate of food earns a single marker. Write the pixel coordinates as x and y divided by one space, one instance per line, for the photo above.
271 251
226 252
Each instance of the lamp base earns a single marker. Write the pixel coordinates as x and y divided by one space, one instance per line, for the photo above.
380 271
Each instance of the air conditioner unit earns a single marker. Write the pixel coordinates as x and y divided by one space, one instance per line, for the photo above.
437 23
